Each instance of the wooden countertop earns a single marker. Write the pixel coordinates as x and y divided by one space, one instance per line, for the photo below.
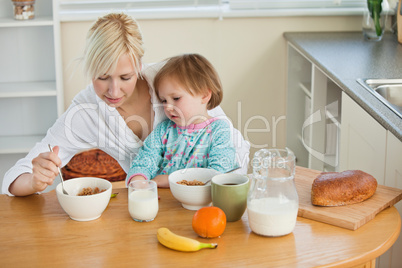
35 231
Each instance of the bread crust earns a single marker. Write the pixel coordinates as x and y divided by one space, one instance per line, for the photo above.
342 188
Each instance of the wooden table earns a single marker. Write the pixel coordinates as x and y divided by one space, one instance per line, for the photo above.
35 231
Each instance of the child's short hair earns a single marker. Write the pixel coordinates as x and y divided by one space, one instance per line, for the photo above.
195 73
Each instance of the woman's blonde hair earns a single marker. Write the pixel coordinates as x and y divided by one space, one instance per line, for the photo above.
110 37
195 73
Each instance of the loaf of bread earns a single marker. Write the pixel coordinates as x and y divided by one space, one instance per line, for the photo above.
342 188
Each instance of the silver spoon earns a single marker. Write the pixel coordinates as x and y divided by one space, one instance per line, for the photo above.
61 176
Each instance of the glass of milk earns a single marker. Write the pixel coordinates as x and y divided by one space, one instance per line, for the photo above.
143 200
272 201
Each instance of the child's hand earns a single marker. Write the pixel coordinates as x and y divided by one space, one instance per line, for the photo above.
137 178
162 181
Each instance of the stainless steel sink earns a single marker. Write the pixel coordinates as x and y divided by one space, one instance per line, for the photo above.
389 91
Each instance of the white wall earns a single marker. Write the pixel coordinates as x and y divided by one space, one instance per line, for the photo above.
249 54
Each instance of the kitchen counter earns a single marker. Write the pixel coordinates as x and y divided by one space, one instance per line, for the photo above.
36 232
345 57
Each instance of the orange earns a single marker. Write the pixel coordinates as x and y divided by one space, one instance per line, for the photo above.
209 222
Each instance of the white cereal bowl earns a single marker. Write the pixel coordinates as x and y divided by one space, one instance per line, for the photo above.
192 197
84 208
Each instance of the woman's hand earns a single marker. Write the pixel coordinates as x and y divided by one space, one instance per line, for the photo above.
44 171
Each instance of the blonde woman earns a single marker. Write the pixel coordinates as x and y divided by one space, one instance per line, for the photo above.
115 113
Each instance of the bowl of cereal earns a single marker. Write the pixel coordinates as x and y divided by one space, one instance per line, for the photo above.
192 187
87 197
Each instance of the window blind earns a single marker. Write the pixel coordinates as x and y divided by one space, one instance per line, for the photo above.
136 4
71 10
295 4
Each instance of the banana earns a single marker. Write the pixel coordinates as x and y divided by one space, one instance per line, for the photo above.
180 243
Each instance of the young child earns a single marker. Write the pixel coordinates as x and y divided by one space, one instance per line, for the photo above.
187 86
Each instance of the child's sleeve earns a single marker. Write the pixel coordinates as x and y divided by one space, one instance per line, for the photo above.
222 153
150 155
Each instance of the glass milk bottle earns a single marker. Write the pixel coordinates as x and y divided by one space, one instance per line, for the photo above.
272 201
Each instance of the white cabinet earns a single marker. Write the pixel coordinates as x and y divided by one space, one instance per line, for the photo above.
368 146
313 114
324 126
393 171
363 141
393 178
31 95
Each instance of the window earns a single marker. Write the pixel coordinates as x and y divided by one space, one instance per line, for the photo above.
295 4
162 9
91 9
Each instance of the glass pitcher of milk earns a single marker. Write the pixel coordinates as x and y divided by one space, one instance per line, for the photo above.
272 201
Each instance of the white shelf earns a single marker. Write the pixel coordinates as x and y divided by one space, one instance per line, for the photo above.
37 21
306 89
18 144
331 160
303 142
31 93
310 93
28 89
331 117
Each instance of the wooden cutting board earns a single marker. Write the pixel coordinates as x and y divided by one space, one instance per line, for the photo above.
349 216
